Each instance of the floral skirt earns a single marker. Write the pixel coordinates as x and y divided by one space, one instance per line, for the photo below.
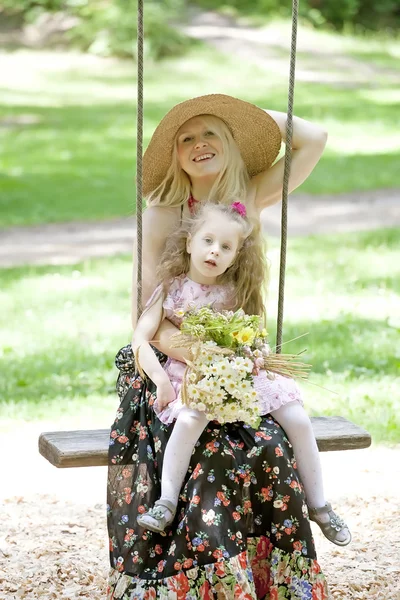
241 530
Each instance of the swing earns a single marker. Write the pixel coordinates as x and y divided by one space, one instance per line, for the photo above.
89 448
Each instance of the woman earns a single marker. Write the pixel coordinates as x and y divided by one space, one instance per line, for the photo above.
241 529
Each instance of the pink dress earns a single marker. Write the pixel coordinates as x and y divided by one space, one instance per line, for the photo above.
184 295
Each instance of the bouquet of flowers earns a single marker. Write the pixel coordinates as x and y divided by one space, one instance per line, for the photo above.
221 385
227 349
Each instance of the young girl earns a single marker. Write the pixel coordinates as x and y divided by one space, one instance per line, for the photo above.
218 260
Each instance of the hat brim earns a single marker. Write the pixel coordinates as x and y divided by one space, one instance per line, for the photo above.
254 131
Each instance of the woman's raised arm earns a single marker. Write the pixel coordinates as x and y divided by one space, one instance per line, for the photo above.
308 143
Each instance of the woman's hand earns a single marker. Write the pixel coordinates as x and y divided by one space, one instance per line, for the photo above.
165 393
308 143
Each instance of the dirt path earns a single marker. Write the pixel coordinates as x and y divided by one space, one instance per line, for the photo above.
70 243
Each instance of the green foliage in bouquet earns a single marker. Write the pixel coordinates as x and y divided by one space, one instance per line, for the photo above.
226 328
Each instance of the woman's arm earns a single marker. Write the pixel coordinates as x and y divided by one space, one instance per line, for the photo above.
163 342
308 143
157 224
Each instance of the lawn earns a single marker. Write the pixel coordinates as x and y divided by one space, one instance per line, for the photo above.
61 326
67 125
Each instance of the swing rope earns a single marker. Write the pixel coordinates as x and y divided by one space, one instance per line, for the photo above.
139 166
286 174
288 159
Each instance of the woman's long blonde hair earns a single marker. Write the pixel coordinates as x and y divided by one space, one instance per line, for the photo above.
249 272
231 182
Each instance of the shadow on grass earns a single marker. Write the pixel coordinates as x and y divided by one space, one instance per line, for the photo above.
356 360
381 60
335 104
349 346
377 239
11 276
67 370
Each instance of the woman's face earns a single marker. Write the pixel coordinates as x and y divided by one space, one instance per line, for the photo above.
213 248
200 150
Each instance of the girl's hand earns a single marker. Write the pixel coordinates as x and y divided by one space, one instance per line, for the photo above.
165 394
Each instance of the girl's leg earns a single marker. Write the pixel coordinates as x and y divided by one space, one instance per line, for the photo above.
188 428
297 425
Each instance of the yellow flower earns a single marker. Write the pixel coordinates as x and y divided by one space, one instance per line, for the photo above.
264 333
245 336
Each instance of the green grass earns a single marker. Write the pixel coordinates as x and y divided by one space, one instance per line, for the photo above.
345 290
67 125
61 326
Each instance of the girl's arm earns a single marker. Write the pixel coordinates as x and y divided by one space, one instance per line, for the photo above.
157 224
143 334
308 143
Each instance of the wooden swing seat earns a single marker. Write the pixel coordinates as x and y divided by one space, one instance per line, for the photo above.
89 448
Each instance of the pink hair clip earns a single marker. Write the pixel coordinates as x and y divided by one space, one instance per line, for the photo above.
239 208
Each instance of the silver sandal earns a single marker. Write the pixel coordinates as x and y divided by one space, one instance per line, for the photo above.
332 527
155 519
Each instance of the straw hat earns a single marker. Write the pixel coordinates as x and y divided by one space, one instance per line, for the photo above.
255 132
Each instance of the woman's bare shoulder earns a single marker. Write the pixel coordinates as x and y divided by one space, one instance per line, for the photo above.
160 221
166 216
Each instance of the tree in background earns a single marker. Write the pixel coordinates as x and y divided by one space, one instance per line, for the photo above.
360 15
108 27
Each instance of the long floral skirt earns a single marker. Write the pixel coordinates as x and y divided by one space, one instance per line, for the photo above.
241 530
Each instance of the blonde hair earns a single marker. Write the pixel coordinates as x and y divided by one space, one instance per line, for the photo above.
249 272
231 182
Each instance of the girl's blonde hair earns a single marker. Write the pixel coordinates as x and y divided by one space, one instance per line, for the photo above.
249 272
231 182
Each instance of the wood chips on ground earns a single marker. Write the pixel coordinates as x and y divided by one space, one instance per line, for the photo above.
52 549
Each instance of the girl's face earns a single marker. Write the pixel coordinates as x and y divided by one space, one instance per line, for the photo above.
213 248
200 150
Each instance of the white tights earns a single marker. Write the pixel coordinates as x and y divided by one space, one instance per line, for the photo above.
292 417
188 428
297 425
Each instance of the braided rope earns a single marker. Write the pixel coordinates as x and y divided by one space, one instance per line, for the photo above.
139 166
286 174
